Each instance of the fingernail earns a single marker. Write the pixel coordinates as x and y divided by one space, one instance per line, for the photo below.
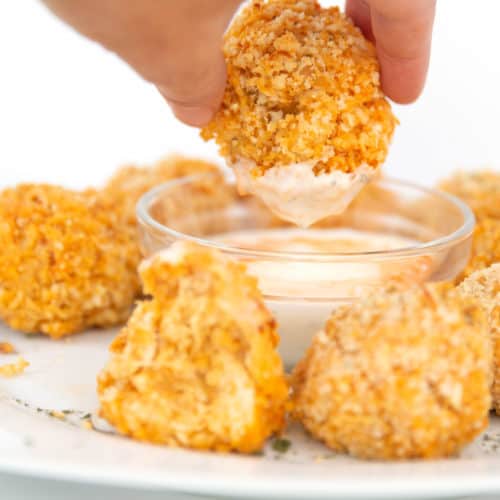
196 116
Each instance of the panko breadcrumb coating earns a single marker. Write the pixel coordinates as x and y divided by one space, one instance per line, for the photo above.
485 249
479 189
303 84
129 183
196 366
398 375
484 286
66 261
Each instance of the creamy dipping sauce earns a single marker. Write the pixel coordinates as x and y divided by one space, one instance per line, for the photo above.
296 194
302 294
319 241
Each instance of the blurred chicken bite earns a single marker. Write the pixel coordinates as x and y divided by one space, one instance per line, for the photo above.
304 122
129 183
485 249
196 366
484 286
479 189
66 263
398 375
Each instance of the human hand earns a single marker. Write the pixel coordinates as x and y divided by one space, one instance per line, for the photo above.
402 32
175 45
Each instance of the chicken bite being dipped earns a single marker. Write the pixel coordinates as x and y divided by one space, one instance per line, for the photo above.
66 262
196 366
304 122
484 286
398 375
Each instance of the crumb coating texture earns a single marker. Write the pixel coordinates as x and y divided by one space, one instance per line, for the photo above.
484 285
485 249
129 183
481 191
196 366
303 84
66 261
398 375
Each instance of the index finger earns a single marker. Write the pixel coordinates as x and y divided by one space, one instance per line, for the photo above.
403 32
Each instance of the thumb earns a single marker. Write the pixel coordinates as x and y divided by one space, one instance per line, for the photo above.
195 92
403 32
194 78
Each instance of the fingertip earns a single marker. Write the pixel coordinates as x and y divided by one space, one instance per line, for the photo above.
359 12
195 116
402 80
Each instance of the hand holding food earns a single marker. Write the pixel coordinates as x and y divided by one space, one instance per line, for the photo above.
304 122
295 95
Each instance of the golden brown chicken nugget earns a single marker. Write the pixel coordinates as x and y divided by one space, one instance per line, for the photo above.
484 286
66 263
196 366
398 375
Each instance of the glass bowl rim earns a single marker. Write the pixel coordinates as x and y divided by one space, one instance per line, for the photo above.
455 237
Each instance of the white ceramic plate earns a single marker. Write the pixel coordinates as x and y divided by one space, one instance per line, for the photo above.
62 377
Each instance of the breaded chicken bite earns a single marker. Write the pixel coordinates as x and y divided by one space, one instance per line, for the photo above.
66 263
129 183
485 249
484 286
196 366
398 375
479 189
304 122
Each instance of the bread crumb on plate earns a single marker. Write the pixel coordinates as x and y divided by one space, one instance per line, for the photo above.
12 369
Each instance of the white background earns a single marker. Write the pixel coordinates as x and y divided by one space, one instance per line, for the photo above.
70 113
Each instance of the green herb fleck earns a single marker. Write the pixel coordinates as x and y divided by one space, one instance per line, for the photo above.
281 445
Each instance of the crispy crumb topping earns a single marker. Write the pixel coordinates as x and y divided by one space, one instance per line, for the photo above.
196 365
479 189
129 183
66 261
484 286
303 84
398 375
485 246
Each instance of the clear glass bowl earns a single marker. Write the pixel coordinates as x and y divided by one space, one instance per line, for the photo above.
429 234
